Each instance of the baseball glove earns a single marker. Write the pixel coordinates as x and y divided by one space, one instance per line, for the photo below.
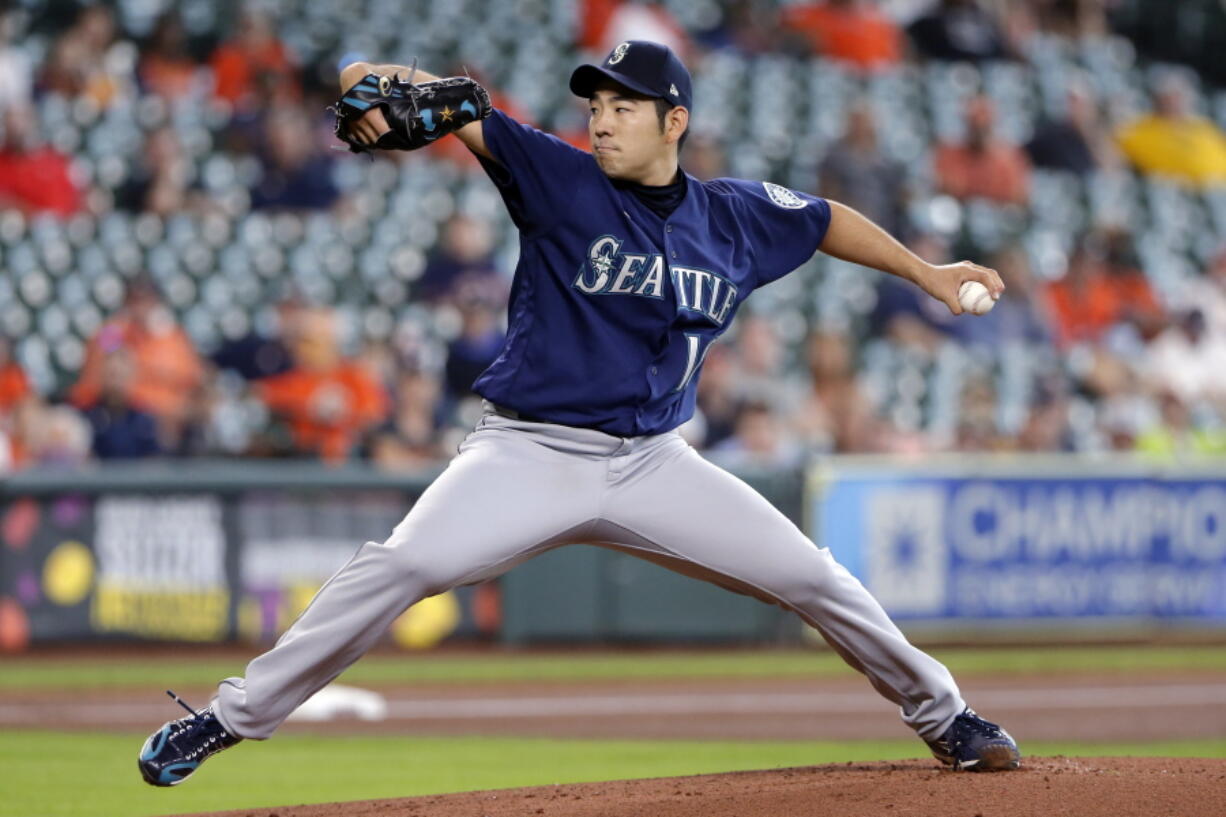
417 114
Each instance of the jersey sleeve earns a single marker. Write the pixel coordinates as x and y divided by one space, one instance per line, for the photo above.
533 171
785 227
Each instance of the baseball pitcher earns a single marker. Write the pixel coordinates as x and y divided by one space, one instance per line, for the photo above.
629 270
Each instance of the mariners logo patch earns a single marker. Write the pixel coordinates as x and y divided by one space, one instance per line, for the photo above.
618 53
783 197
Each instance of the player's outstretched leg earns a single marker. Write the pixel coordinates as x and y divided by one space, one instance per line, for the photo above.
496 504
695 517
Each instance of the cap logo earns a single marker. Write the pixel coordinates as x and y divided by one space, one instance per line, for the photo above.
618 53
672 89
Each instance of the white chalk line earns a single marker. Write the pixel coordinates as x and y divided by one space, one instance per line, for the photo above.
1031 699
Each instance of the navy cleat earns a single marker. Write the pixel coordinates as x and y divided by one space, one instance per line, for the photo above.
971 744
174 752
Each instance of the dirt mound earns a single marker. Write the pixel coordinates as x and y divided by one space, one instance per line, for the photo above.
1044 787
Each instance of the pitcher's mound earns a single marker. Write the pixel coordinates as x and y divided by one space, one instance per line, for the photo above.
1043 787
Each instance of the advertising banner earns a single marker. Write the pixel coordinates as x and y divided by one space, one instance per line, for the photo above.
126 556
1027 546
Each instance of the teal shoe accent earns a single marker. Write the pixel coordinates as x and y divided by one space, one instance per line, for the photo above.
154 743
169 776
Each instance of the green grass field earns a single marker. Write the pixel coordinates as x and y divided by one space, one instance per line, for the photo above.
375 670
50 774
94 775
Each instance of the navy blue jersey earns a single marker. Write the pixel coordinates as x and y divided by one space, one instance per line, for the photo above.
612 308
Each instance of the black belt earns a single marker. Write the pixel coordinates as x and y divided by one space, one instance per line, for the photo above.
512 414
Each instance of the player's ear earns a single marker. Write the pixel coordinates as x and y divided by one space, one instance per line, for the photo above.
675 123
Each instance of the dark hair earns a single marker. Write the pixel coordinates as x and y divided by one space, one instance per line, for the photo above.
663 106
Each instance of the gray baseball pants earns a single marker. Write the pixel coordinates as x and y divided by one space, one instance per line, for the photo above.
517 489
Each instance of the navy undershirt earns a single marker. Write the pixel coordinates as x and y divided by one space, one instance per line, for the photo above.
661 200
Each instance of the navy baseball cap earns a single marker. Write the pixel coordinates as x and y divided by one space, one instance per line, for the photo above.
651 69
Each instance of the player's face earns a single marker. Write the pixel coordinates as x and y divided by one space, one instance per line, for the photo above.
626 137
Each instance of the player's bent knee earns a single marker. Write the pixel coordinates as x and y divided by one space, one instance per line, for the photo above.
415 567
812 582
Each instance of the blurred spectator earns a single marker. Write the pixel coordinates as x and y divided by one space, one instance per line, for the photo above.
328 402
15 397
34 177
1139 305
480 302
906 315
855 173
719 400
257 354
1174 141
1020 316
1186 361
16 78
977 427
1118 399
254 69
759 441
850 31
1072 20
1093 295
166 67
295 173
1047 425
410 438
703 158
1077 142
835 415
605 24
751 27
761 358
1192 32
86 62
983 166
121 430
159 181
56 436
14 385
465 252
957 30
1209 294
1175 437
168 371
64 439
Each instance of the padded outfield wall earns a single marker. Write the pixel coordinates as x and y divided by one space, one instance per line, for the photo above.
223 551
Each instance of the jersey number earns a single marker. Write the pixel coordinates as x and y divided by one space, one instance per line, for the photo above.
696 350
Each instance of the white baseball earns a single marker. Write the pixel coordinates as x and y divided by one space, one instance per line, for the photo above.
975 298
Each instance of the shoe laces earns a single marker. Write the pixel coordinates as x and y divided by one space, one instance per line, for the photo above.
199 720
972 723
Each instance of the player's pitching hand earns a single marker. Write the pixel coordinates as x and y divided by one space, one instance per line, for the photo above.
943 282
370 127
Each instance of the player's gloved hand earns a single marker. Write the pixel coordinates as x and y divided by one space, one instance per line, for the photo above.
412 116
943 282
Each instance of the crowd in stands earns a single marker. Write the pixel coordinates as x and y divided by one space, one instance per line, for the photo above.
1097 346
